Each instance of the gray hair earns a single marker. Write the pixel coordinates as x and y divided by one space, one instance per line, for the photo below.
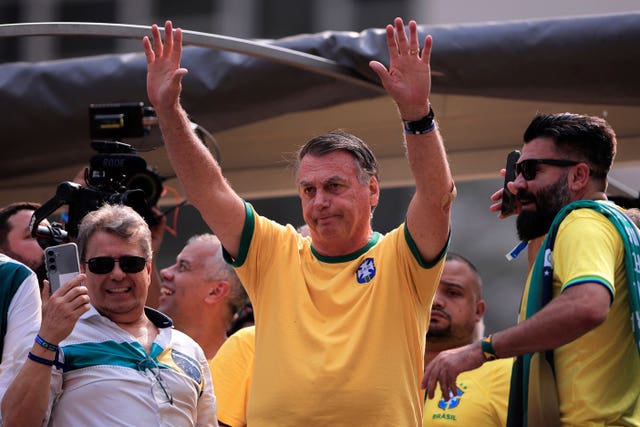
118 220
339 140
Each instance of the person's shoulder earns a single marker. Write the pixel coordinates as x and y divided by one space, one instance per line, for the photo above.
399 230
583 217
248 332
6 260
591 209
245 336
13 270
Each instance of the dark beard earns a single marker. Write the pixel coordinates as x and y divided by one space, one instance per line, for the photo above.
549 201
439 332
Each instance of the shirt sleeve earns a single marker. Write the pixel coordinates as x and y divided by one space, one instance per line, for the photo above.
587 249
23 322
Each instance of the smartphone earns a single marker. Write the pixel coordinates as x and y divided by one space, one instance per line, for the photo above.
508 198
62 264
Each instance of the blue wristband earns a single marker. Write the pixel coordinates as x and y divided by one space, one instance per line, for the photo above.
40 360
42 343
46 362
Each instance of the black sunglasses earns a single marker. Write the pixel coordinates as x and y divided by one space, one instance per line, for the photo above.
105 264
528 168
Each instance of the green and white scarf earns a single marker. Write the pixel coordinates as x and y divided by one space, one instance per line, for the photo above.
540 293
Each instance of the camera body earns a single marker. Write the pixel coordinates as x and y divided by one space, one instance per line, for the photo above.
116 174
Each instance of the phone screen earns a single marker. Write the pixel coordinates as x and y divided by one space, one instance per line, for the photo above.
508 198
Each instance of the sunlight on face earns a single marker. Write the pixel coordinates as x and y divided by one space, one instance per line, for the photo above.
118 295
335 204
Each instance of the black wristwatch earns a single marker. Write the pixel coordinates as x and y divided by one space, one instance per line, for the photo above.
422 126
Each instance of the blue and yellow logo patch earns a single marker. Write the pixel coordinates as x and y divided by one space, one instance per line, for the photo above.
366 271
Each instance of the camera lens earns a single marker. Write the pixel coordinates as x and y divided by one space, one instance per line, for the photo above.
149 183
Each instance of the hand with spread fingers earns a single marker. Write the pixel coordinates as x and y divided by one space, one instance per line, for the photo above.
164 74
408 79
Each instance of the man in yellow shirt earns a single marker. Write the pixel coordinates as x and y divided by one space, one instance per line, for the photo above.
329 308
456 320
578 361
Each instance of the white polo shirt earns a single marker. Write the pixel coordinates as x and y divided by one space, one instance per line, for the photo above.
23 321
109 379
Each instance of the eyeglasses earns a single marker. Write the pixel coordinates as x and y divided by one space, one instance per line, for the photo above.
159 389
105 264
528 168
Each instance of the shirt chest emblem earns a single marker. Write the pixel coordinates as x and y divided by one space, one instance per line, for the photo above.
366 271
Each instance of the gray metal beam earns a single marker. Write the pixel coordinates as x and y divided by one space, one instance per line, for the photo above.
255 49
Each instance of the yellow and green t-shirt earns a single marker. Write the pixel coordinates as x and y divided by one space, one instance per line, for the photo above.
482 399
339 340
598 374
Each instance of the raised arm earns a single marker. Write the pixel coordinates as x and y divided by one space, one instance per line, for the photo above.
198 172
408 82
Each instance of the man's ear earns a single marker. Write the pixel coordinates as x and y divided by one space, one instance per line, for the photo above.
218 290
579 177
374 191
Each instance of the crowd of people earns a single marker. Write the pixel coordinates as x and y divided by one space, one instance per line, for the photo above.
352 327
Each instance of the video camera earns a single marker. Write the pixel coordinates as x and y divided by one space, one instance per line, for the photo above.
116 175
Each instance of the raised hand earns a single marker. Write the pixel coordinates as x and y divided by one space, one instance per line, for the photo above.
408 79
164 74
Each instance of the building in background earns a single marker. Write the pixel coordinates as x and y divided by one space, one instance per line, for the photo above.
260 18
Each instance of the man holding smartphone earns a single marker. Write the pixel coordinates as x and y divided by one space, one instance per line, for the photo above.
101 357
578 352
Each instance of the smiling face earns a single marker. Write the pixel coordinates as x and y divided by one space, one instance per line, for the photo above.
117 295
336 205
544 196
187 283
